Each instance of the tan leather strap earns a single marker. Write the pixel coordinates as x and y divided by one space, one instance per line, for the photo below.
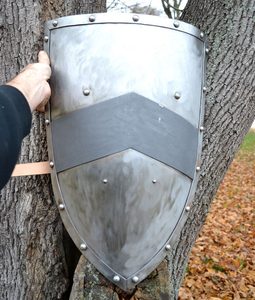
37 168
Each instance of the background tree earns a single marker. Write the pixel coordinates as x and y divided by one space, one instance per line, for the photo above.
174 8
33 244
138 8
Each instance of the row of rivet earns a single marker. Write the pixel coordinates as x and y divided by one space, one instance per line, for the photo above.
105 181
177 95
135 18
116 278
62 207
92 18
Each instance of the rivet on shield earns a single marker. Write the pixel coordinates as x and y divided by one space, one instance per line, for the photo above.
202 35
204 89
55 23
46 38
135 18
105 181
202 128
198 168
51 164
167 247
177 95
83 246
154 181
135 279
116 278
47 122
206 50
92 18
176 24
86 92
61 206
187 208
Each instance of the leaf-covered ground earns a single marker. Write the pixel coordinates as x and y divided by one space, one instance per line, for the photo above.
222 262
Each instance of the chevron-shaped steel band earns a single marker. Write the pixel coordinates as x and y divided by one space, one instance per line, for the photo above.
129 121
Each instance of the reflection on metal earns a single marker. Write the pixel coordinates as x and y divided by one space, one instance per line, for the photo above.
118 219
92 18
86 92
168 247
176 24
83 246
116 278
135 18
55 23
125 155
187 208
61 206
177 96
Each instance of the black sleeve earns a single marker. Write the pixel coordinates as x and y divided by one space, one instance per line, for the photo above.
15 124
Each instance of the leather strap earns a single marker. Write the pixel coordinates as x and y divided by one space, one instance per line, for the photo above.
37 168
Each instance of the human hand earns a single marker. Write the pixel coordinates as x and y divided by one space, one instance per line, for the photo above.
32 82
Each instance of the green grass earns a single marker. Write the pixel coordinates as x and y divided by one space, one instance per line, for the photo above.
218 268
248 144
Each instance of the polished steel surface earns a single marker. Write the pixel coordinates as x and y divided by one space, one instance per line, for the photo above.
108 60
95 58
129 219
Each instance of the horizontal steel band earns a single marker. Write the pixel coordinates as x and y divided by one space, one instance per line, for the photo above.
123 18
128 121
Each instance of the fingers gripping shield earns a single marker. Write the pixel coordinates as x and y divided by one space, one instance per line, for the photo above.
124 135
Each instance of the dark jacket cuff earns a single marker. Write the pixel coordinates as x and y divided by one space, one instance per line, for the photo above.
19 103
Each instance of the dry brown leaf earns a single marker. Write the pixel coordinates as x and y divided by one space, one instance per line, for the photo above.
222 262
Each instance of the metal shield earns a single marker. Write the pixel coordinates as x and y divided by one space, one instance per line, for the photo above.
124 135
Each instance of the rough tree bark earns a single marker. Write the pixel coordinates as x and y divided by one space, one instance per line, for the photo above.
230 110
33 263
32 255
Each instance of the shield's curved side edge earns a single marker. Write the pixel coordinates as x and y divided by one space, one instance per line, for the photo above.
176 233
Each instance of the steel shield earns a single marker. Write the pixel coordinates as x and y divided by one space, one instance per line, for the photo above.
125 135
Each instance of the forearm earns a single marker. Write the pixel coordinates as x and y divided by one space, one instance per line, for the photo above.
15 123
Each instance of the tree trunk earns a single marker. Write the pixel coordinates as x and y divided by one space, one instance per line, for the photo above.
230 105
230 110
32 255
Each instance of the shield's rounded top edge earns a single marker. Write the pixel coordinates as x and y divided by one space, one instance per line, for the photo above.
124 18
